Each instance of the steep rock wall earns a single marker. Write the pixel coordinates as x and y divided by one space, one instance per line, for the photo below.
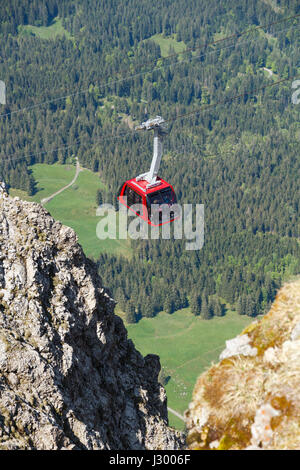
69 376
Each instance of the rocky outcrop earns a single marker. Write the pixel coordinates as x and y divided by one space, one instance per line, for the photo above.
250 400
69 377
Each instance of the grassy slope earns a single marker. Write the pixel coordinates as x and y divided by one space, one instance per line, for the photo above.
75 207
46 32
50 178
166 42
186 345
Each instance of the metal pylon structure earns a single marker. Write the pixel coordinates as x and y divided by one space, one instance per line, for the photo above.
158 125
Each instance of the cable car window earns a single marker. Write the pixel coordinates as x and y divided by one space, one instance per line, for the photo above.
132 196
138 198
166 196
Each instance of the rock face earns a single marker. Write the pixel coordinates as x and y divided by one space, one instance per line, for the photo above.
238 346
250 400
69 377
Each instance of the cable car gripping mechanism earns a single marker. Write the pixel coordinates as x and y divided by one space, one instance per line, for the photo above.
158 125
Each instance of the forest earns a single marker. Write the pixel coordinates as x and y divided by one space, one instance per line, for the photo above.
76 93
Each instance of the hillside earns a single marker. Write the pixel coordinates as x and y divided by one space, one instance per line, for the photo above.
250 399
74 207
70 378
75 94
186 345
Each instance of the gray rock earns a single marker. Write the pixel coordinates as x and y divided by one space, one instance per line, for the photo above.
238 346
3 188
69 376
295 335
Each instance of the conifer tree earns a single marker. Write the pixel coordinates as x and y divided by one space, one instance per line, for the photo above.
206 310
195 303
130 314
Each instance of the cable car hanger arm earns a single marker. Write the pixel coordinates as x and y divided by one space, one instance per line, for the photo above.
156 124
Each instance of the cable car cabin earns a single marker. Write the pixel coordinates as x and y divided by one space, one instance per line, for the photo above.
155 197
155 202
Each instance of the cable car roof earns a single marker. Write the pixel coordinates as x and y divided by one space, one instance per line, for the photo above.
142 185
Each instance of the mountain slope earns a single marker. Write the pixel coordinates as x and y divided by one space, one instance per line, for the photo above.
238 157
70 378
250 400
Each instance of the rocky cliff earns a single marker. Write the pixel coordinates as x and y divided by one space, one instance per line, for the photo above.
69 377
250 399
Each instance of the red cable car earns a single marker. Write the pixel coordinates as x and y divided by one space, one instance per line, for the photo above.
148 195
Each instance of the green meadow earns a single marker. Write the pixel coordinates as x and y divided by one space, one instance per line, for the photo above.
76 206
166 42
187 345
46 32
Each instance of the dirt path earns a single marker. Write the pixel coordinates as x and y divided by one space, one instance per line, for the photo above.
49 198
220 348
269 71
176 414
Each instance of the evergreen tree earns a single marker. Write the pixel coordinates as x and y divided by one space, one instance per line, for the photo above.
241 305
250 306
168 305
217 307
206 312
148 309
130 314
99 198
195 303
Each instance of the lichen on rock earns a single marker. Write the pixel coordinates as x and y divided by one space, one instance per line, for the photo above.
251 401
